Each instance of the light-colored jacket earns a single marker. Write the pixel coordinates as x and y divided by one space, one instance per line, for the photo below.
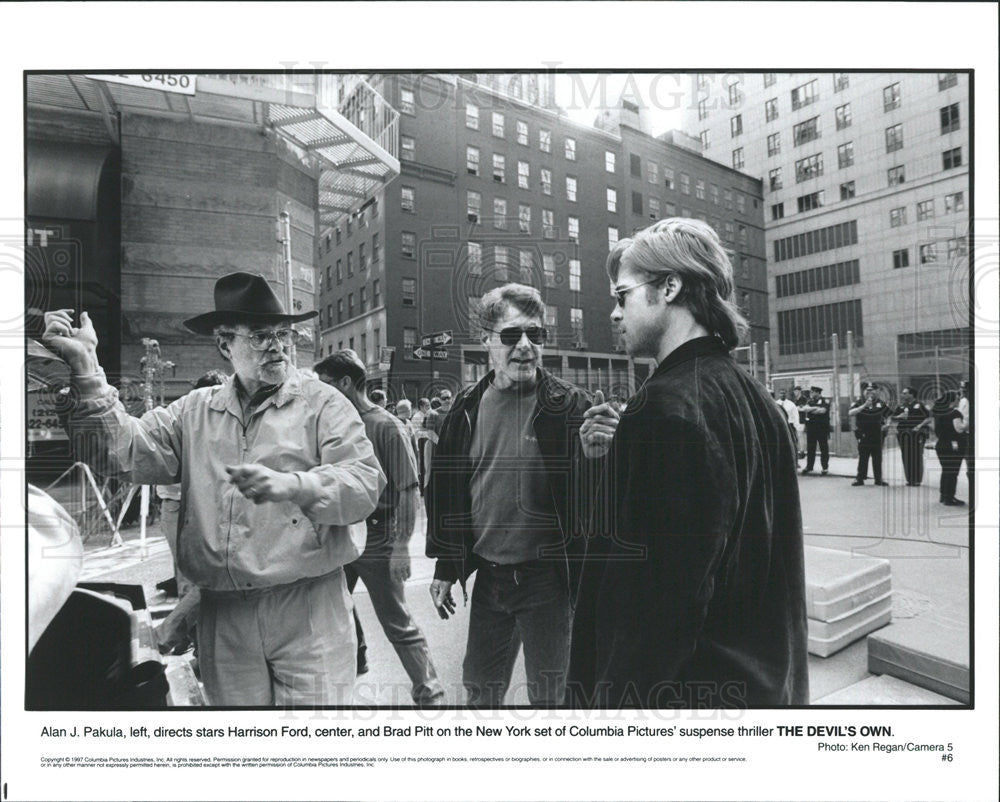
225 541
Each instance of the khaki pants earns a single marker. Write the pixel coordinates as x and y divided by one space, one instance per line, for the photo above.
293 645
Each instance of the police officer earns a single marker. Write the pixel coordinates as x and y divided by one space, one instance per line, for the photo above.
817 412
870 415
912 423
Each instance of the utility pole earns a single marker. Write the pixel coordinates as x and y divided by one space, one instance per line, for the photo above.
835 391
285 238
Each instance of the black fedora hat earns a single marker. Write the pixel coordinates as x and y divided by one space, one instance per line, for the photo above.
244 298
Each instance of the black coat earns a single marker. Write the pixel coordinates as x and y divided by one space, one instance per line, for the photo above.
572 478
698 598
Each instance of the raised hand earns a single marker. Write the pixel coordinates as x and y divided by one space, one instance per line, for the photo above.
599 425
76 345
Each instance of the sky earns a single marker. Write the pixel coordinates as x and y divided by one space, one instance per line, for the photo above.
583 95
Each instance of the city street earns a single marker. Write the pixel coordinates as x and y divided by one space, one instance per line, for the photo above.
926 544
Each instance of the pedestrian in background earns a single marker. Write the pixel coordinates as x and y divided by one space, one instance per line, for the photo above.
913 421
817 412
949 427
791 410
870 415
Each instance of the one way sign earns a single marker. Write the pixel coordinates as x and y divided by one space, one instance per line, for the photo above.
437 338
426 353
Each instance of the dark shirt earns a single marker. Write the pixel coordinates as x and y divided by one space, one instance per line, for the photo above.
944 425
915 414
698 597
391 443
869 420
818 421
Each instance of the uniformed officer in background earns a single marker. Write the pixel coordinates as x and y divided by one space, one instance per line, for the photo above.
913 421
817 412
870 415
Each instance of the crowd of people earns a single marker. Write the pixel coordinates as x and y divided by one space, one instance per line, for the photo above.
874 415
641 555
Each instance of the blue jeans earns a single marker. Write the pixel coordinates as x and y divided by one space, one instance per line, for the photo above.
389 602
513 604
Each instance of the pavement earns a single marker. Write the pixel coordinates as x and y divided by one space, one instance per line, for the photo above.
927 546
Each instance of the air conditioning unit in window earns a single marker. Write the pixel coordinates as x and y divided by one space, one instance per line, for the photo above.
473 218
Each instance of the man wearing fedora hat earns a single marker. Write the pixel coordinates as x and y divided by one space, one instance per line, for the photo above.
277 478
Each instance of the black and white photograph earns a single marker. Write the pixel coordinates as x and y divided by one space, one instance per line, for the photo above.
557 412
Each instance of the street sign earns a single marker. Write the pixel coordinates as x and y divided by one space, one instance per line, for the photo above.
425 353
184 83
437 338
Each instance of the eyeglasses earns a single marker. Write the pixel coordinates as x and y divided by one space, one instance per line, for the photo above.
619 293
512 334
261 340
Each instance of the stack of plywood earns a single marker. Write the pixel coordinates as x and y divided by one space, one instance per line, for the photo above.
847 596
927 651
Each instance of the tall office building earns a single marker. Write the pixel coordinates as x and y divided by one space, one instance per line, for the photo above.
497 185
866 187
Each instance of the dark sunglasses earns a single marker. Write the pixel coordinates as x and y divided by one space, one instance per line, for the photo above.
620 293
512 335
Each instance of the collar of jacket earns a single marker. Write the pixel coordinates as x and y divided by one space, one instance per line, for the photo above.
699 346
226 396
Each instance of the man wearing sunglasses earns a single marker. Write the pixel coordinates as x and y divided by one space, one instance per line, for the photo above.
697 599
277 478
507 498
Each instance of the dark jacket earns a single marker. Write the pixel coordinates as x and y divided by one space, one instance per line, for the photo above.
698 598
571 477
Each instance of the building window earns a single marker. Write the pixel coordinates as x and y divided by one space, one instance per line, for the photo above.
636 202
741 203
407 149
522 132
526 263
499 168
843 116
574 275
654 208
609 161
845 155
891 97
498 122
472 160
736 125
350 305
777 211
946 80
803 331
613 236
804 95
635 165
570 188
409 342
769 79
685 184
407 199
897 175
576 324
548 223
954 202
958 247
742 235
545 178
669 209
573 228
653 172
523 175
805 131
925 210
928 253
406 101
363 297
473 206
816 241
340 310
773 144
340 275
840 81
549 270
551 316
544 140
362 257
699 188
728 196
501 261
771 109
735 96
702 109
408 247
570 149
475 259
817 279
738 159
901 258
951 159
500 213
713 190
814 200
705 137
897 217
950 119
337 235
847 190
808 168
668 177
350 263
524 218
471 117
894 138
729 227
612 196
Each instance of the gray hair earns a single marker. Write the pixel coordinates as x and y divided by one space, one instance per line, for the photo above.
691 250
403 405
526 300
